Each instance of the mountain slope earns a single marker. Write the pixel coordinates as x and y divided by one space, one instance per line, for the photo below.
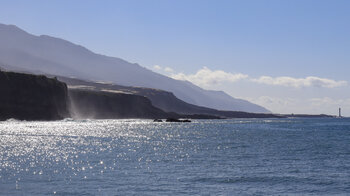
45 54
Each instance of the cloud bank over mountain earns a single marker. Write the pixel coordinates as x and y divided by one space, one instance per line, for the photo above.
310 81
207 77
281 94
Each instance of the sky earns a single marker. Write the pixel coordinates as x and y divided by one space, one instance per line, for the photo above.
288 56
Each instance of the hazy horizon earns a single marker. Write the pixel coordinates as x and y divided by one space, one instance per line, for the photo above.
290 57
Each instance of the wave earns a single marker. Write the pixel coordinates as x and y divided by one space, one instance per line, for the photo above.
14 120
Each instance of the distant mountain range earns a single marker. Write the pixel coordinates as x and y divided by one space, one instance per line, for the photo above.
21 51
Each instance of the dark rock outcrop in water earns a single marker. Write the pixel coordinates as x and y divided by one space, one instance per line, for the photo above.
176 120
32 97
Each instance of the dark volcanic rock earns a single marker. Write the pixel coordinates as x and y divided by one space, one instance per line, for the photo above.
110 105
176 120
32 97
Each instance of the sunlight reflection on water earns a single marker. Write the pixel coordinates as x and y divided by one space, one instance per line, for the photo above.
135 156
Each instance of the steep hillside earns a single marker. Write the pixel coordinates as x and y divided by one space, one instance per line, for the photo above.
30 97
21 51
161 99
37 97
107 105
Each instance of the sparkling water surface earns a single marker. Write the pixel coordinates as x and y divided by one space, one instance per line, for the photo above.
205 157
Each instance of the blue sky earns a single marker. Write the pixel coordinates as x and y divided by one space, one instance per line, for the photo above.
286 41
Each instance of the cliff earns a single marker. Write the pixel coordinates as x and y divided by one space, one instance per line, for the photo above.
32 97
109 105
164 100
36 97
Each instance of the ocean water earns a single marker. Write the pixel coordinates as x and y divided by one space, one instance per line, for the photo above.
205 157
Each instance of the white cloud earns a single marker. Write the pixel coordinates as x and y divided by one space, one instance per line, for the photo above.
300 82
161 69
168 69
157 67
206 77
276 104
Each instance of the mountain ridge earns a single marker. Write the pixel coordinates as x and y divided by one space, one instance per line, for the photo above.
60 57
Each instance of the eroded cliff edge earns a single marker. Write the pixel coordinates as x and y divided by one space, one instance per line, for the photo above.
107 105
37 97
32 97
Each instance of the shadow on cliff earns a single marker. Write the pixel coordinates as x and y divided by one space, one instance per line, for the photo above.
32 97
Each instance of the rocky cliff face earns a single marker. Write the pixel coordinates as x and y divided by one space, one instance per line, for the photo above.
108 105
164 100
32 97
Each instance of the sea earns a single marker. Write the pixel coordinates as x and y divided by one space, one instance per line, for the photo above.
300 156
